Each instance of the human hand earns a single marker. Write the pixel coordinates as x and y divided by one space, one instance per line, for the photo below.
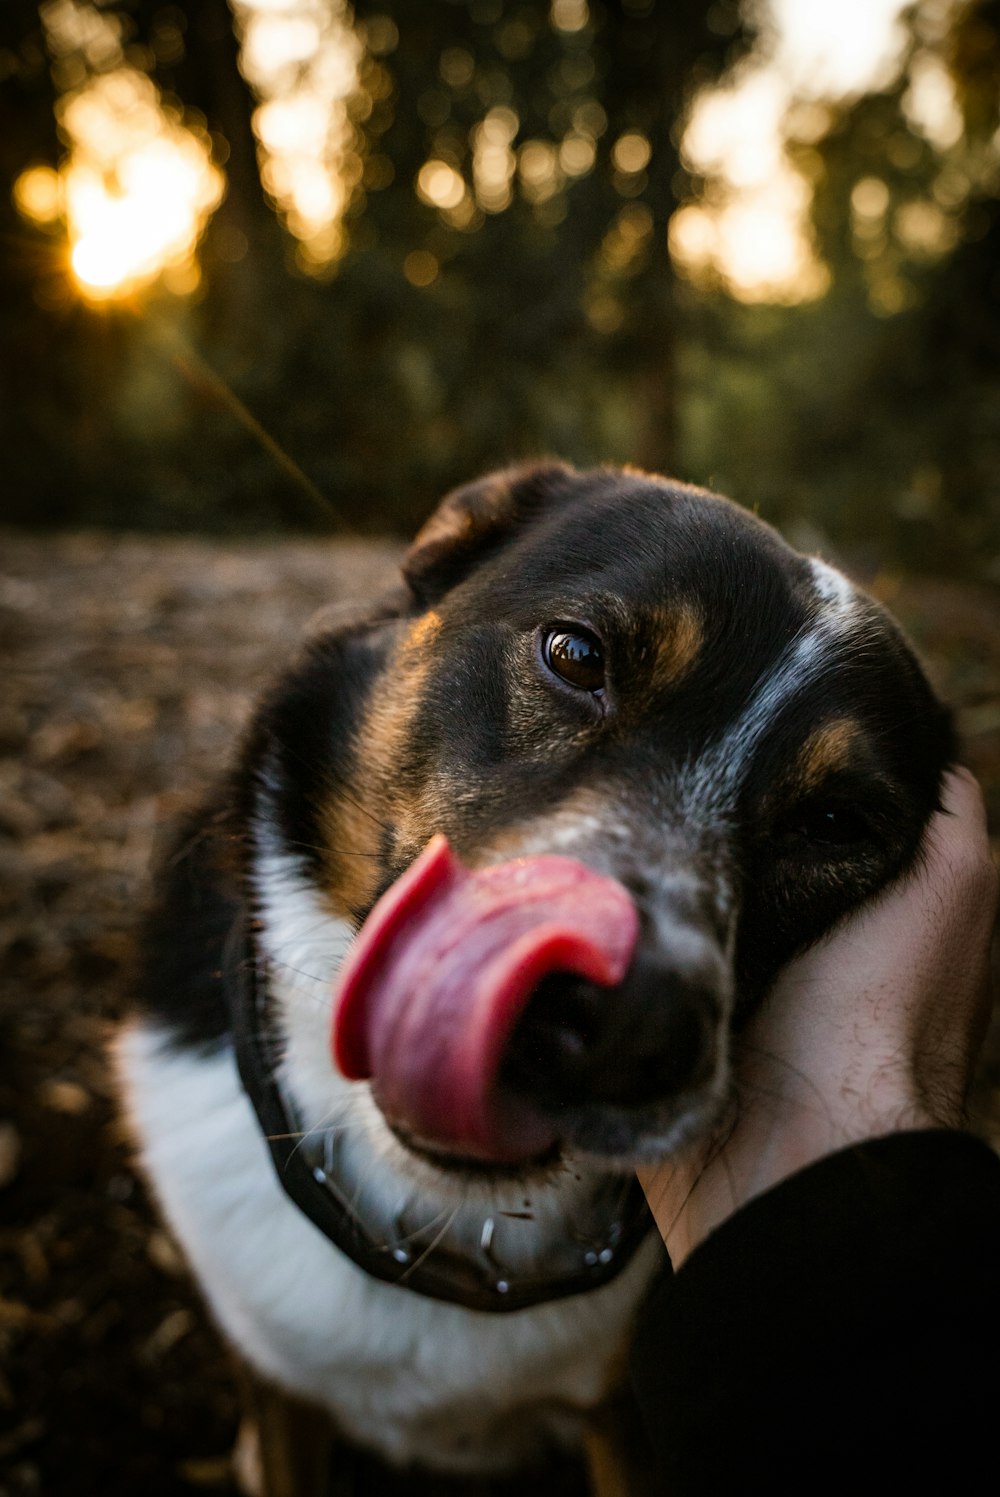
873 1030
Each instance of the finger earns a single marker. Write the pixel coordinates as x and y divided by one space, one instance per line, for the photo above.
962 796
956 847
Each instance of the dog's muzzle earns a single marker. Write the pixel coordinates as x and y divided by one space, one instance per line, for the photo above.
525 1007
484 1260
440 975
653 1036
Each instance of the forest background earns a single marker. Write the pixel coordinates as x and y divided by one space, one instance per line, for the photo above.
277 273
757 248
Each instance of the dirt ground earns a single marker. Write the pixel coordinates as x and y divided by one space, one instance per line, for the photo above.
129 665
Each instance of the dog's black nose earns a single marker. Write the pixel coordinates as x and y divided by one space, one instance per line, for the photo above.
578 1044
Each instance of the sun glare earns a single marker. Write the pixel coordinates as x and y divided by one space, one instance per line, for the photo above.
138 185
757 240
837 48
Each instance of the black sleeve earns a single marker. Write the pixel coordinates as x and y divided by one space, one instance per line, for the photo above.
840 1330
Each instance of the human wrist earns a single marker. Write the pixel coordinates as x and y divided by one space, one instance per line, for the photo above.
691 1198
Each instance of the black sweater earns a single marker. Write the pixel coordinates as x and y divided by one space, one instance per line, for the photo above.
840 1331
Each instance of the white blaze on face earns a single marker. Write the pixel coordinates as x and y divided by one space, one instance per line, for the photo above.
836 592
710 785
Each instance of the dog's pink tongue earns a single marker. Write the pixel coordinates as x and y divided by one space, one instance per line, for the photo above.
440 973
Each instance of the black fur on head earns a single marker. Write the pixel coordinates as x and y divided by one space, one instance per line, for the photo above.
645 677
475 519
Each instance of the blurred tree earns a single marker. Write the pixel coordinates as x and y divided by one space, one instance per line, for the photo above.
499 283
28 330
872 416
537 312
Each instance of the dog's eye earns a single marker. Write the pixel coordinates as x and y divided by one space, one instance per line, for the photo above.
831 826
575 656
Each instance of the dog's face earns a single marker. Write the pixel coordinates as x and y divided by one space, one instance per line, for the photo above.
644 678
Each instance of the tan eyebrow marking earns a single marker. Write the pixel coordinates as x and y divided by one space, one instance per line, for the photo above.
681 636
423 629
831 747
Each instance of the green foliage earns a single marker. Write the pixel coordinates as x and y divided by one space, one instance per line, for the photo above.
871 418
530 336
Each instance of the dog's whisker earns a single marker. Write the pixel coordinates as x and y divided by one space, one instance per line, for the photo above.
319 1131
322 922
332 1122
301 972
714 1149
333 1130
428 1226
326 847
339 787
422 1257
188 846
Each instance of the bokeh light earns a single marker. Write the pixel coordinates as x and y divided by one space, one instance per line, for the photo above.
493 159
38 194
631 152
303 59
138 184
569 15
751 228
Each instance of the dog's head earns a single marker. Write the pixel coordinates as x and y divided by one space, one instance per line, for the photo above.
643 678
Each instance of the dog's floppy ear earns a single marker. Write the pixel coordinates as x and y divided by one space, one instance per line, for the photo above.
471 521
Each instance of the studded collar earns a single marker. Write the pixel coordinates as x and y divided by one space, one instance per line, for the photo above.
483 1259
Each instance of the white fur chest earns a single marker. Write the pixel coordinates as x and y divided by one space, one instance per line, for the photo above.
415 1378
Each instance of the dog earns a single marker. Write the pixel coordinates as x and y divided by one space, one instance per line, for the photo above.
610 756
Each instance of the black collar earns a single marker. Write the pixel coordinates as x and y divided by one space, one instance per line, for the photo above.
430 1260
